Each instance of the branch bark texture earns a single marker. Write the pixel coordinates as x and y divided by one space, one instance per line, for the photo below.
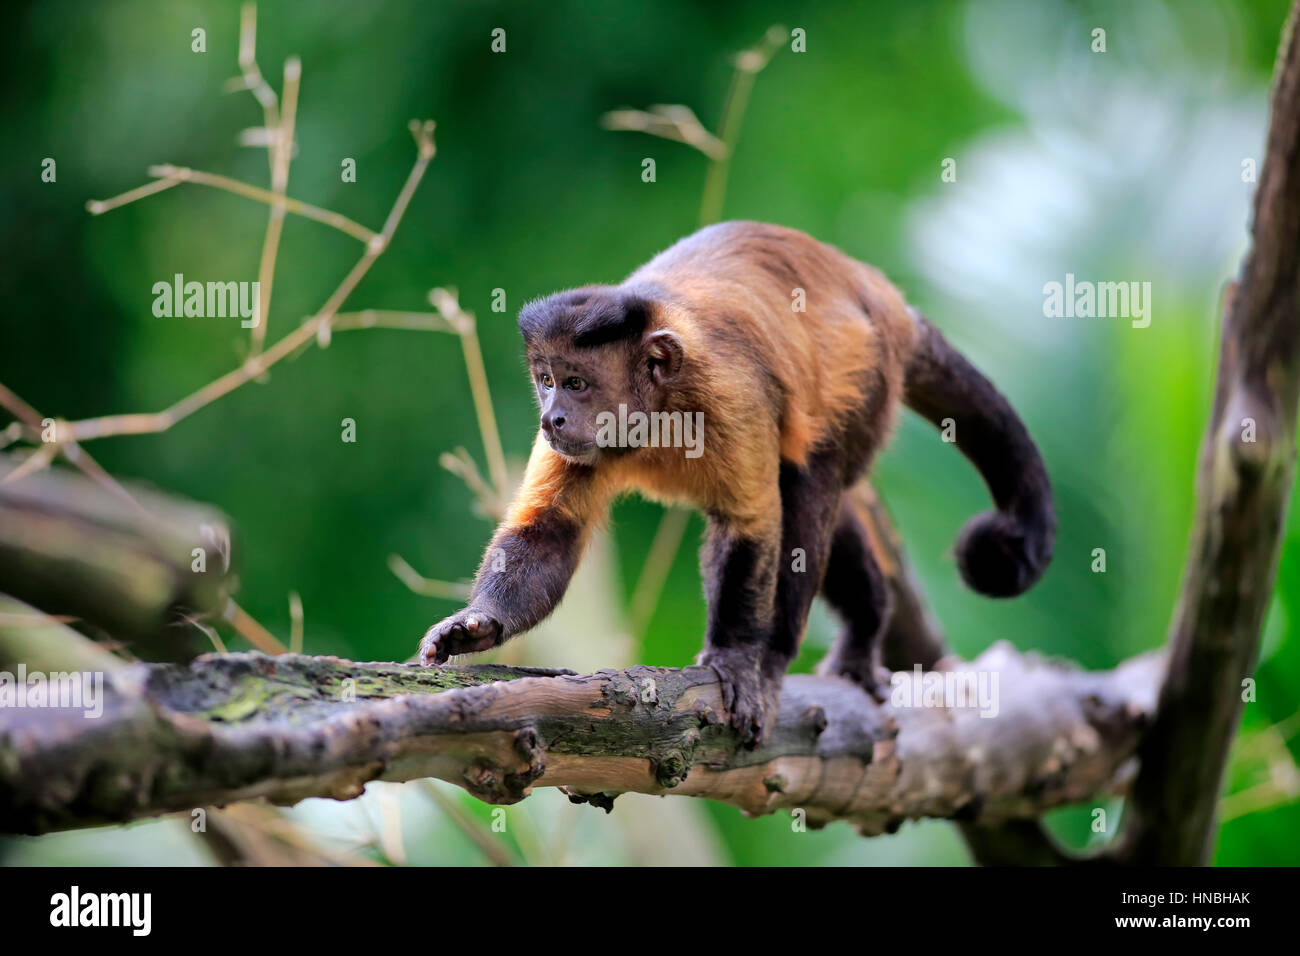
174 737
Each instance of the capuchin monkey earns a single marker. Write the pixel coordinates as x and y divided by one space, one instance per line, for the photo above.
794 404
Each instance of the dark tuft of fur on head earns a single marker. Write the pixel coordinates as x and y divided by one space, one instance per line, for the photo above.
586 317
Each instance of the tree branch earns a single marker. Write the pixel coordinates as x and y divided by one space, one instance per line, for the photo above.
1247 467
225 729
912 638
69 548
236 727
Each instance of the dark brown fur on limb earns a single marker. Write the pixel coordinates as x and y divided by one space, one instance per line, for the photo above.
236 727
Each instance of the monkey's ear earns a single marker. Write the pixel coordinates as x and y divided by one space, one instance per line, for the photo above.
663 353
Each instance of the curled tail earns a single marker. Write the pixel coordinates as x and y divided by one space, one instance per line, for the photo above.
1000 553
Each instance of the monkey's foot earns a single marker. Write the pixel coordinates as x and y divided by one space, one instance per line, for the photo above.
464 632
750 696
861 669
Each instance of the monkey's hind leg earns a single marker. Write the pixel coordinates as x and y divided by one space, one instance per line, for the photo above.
810 503
856 588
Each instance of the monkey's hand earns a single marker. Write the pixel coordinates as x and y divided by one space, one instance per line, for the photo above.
465 632
750 696
863 670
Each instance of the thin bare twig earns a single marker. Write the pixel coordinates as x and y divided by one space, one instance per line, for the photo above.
20 409
675 122
253 632
447 304
461 464
281 151
749 63
38 460
389 831
429 587
98 207
467 825
295 623
150 423
74 453
252 78
680 123
654 572
173 175
390 319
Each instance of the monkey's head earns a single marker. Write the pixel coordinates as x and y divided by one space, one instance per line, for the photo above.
596 356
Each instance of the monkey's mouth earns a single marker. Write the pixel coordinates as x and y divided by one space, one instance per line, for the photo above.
579 451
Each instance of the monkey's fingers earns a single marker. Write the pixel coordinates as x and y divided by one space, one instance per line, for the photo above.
429 646
748 724
728 690
441 641
880 689
463 633
746 700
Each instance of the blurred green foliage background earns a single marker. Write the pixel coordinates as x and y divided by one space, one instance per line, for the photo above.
1115 166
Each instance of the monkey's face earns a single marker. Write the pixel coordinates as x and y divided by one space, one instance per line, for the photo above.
588 396
596 359
575 390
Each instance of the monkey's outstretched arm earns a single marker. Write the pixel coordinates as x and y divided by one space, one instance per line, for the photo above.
529 561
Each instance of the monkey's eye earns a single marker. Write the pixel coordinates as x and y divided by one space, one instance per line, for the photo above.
546 380
575 384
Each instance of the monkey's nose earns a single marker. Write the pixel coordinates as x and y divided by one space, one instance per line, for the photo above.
552 423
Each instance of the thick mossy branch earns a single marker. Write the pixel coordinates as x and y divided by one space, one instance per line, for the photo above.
235 727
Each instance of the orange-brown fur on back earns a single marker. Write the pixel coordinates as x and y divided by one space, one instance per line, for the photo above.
772 382
734 288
